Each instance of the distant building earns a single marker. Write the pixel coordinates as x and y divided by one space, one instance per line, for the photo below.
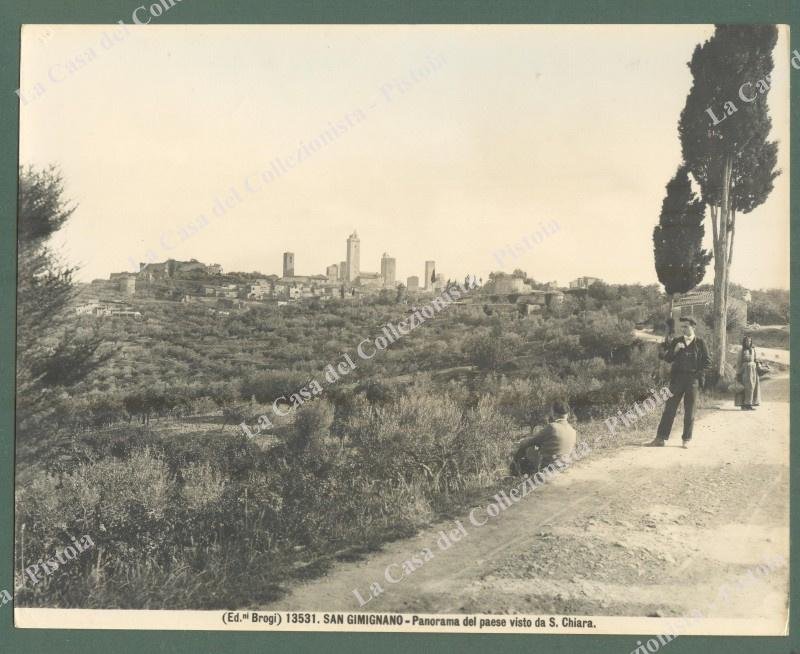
332 273
288 264
228 291
388 269
169 269
305 280
286 290
89 308
107 308
343 271
533 300
430 267
503 284
214 269
583 282
412 283
258 289
123 282
302 286
370 279
127 284
697 303
151 272
353 257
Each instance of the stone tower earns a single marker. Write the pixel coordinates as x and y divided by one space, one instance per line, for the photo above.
388 270
353 257
430 266
288 264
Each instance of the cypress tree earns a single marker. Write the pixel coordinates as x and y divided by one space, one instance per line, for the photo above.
680 259
724 129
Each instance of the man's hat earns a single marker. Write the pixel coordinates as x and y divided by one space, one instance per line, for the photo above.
691 321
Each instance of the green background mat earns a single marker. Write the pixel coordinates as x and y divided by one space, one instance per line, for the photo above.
14 13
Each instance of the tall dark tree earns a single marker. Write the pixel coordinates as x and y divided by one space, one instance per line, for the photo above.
680 259
401 295
724 130
51 354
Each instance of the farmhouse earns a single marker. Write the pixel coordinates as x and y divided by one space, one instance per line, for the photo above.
697 303
106 308
503 284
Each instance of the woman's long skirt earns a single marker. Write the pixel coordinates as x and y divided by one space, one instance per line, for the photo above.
752 389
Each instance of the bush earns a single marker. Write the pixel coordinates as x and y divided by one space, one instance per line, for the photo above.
268 386
492 351
425 438
605 336
124 506
312 425
769 307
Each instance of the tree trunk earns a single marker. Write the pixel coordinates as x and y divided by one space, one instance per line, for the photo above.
721 274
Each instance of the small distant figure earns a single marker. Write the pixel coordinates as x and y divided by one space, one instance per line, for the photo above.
553 441
690 361
747 375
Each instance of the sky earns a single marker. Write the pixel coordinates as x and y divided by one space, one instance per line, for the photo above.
449 143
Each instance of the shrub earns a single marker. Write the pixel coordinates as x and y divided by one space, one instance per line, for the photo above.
268 386
202 486
312 425
124 506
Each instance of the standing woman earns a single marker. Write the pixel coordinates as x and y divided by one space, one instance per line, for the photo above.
748 375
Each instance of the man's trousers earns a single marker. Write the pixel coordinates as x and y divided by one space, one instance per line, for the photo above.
686 387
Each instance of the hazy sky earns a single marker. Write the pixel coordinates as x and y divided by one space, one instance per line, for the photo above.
512 127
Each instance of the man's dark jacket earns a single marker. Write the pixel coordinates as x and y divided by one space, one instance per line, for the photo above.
692 360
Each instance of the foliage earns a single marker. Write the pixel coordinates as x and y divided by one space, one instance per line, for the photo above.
770 307
52 354
680 259
734 55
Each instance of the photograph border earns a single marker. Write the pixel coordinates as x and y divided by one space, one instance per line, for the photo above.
13 640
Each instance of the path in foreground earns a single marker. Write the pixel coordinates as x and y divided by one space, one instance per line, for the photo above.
637 531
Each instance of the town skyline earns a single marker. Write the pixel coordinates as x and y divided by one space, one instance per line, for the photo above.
348 270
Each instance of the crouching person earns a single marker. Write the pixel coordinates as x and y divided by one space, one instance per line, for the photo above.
554 441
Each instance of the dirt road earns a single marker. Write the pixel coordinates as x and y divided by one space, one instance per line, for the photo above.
636 531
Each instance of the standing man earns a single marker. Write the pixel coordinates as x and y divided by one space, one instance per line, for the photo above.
690 361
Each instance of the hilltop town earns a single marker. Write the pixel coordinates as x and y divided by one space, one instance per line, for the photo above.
195 281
